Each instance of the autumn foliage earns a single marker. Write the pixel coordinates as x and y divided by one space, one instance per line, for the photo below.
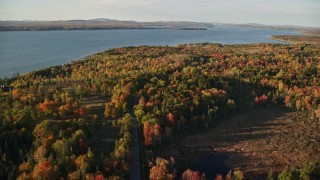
148 133
48 106
170 90
160 170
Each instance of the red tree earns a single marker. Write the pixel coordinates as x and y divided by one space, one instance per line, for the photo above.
190 175
171 118
100 177
147 132
48 106
44 170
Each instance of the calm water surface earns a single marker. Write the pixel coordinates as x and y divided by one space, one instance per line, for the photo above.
25 51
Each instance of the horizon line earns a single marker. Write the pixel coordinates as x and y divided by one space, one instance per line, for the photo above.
222 23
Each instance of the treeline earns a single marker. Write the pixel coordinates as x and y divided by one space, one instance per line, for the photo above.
170 90
165 169
300 39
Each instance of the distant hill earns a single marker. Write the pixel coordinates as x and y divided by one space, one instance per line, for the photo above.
96 24
102 23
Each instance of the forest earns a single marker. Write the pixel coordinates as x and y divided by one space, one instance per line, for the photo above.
74 121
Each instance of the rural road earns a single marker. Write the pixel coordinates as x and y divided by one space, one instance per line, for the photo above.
135 166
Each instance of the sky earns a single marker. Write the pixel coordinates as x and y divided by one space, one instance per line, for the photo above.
273 12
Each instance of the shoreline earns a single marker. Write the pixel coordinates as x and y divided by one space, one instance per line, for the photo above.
297 39
97 52
22 72
97 29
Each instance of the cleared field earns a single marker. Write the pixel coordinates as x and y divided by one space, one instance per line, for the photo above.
96 103
257 141
103 138
103 134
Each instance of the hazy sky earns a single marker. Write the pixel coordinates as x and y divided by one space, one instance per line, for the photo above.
296 12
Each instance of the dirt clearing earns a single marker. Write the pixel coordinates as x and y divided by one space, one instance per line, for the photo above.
257 141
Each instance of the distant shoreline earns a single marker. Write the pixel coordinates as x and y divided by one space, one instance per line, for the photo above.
99 24
62 46
94 29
